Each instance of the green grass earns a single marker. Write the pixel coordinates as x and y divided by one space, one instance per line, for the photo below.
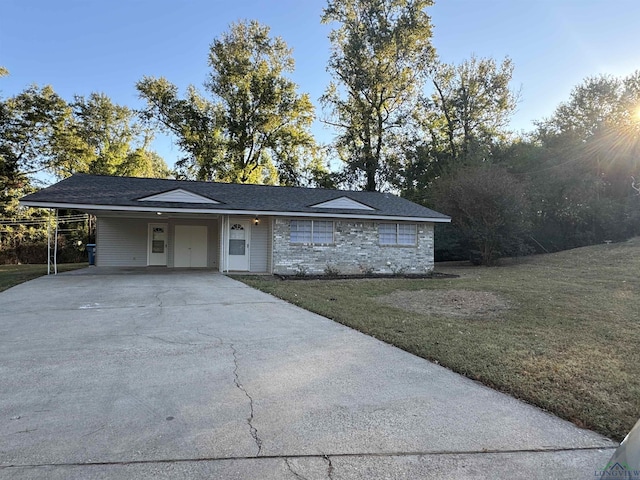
11 275
570 343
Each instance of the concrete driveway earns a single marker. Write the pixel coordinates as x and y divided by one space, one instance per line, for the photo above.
116 374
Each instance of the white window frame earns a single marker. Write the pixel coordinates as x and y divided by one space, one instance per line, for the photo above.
300 231
398 235
312 233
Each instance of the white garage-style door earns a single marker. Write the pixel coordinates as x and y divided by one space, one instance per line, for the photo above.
190 246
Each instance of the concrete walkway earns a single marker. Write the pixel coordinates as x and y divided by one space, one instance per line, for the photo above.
108 374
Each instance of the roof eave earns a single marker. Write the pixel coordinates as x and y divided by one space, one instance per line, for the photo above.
210 211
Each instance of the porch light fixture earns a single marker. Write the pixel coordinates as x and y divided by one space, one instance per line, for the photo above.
256 220
158 213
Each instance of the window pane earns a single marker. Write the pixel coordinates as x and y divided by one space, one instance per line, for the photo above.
236 247
237 232
157 246
407 234
387 233
322 232
300 231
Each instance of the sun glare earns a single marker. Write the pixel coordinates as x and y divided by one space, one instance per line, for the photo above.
636 114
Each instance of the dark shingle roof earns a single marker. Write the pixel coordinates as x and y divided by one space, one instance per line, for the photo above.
106 191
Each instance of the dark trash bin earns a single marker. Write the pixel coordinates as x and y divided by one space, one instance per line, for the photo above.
91 249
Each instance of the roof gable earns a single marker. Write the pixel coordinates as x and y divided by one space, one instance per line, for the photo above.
177 195
342 203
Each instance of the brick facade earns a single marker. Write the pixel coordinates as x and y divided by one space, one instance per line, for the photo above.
356 250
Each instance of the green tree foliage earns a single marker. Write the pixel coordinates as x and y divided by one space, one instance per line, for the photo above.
41 134
255 129
489 210
462 122
194 121
40 131
28 123
581 167
588 155
380 50
99 137
11 179
470 107
25 123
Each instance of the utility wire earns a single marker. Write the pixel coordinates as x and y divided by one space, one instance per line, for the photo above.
41 220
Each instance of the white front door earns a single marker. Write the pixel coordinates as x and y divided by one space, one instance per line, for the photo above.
238 247
157 247
190 246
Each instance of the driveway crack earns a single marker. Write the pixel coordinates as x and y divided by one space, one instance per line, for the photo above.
252 430
236 380
160 301
329 466
296 474
164 340
220 341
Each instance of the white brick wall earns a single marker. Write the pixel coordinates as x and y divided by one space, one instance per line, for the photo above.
356 251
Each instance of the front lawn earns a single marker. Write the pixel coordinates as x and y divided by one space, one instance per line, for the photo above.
561 331
11 275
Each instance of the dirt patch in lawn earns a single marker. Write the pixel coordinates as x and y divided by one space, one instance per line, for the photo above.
451 303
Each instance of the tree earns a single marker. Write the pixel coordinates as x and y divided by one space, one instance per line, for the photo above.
255 129
601 120
591 152
195 123
380 51
143 162
100 137
471 105
463 121
10 177
27 123
42 133
596 104
489 210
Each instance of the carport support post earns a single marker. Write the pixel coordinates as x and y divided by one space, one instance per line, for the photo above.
55 247
49 244
223 243
225 246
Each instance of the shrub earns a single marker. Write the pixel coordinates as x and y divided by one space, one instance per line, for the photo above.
330 271
489 210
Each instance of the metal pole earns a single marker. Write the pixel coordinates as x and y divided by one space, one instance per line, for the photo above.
223 263
226 244
49 243
55 247
221 243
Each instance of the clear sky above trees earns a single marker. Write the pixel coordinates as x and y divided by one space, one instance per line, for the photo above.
81 46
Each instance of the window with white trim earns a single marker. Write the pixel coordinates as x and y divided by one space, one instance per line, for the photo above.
397 234
300 231
311 231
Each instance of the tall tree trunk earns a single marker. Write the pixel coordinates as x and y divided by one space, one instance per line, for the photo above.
370 163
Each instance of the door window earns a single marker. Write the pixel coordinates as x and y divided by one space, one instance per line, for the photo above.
157 240
237 243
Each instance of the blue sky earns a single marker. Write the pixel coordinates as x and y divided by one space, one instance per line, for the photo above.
82 46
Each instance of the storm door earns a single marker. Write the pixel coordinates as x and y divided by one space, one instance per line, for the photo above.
157 248
238 248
